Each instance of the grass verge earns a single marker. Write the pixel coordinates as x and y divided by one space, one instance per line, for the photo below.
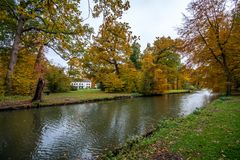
212 132
177 91
71 97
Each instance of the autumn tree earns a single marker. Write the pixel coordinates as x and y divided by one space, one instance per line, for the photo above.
57 80
58 25
75 69
136 54
234 49
111 47
153 81
165 51
149 69
39 73
161 66
54 24
109 51
207 31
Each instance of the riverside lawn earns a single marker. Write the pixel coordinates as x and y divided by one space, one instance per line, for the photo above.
212 132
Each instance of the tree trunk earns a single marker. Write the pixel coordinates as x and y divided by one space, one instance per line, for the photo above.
37 66
116 68
228 76
229 85
14 54
38 72
177 83
39 90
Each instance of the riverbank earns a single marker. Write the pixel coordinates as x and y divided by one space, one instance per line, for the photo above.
54 99
209 133
73 97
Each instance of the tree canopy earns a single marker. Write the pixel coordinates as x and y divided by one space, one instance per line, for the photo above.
58 25
208 32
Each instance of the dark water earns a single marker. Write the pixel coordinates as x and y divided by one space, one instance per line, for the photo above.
83 131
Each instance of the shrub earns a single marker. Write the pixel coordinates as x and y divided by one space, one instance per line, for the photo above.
57 80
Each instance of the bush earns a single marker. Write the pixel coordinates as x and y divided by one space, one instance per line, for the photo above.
57 80
73 88
131 78
112 83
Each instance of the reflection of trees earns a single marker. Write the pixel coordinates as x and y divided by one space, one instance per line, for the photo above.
87 127
17 134
190 102
21 130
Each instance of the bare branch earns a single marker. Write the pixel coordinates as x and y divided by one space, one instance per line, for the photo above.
49 46
89 11
210 49
46 31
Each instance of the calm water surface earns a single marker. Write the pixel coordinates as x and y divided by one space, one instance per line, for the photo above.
84 131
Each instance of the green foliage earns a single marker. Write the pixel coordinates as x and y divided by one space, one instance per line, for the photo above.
131 78
147 83
2 73
57 80
136 53
110 8
7 26
4 57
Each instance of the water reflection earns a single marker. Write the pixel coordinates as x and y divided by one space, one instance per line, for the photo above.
84 131
190 102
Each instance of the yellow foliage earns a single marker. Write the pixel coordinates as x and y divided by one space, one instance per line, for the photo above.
23 80
160 81
3 69
154 80
112 83
131 78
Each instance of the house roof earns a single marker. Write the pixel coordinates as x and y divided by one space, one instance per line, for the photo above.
86 80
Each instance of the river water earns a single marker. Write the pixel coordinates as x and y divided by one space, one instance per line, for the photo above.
84 131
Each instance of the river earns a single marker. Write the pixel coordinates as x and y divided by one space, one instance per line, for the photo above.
83 131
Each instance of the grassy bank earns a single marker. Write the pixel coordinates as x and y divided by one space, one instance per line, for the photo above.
80 96
177 91
60 98
210 133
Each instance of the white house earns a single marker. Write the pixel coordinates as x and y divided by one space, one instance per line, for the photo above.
83 84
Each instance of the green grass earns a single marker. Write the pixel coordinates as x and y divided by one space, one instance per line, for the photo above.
176 91
80 95
209 133
9 100
69 97
14 98
63 98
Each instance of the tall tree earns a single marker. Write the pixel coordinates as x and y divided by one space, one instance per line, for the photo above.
111 47
58 23
39 72
136 53
207 30
166 58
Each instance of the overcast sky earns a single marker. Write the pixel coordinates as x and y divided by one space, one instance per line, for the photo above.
147 18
